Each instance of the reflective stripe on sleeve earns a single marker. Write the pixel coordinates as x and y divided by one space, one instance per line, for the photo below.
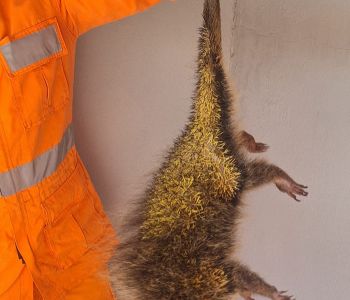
32 48
29 174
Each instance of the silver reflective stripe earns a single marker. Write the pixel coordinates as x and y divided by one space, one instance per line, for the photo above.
31 48
35 171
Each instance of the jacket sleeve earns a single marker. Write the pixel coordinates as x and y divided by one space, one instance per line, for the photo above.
83 15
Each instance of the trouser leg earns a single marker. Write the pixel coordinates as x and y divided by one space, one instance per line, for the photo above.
92 288
21 289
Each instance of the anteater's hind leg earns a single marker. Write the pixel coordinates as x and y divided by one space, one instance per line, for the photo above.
247 141
248 283
259 172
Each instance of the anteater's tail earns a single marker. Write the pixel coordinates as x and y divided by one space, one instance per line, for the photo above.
213 100
212 31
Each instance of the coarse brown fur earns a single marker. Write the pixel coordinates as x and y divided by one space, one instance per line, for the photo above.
182 232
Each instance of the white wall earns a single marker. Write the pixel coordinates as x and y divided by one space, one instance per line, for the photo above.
290 61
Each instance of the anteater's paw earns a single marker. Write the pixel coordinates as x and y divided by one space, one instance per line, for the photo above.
281 296
260 147
249 143
246 295
289 186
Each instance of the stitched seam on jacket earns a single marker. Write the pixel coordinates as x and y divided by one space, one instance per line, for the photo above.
76 33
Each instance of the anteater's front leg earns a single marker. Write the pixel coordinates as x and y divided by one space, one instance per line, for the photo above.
260 172
248 283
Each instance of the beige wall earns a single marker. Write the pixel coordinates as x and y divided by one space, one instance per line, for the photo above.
290 61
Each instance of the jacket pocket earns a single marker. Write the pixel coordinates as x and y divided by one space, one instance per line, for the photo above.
65 241
74 225
62 236
91 222
33 60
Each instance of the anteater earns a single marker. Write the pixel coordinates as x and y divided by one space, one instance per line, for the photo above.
184 225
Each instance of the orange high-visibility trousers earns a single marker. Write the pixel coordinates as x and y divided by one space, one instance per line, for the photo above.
55 238
91 288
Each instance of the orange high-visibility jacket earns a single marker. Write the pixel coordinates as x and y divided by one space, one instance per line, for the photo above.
50 213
